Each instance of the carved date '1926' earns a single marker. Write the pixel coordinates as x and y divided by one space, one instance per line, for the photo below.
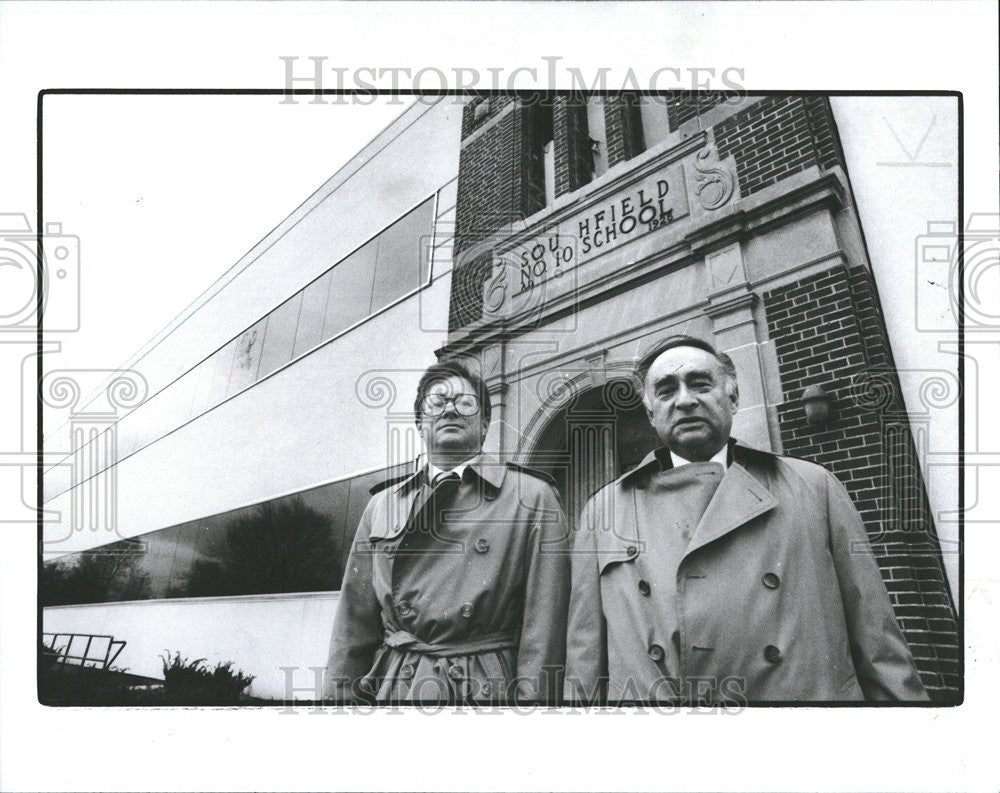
642 212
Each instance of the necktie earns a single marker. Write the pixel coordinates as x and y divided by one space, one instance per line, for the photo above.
446 481
427 512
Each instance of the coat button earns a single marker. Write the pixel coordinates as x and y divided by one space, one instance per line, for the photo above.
632 551
455 672
771 580
485 689
772 654
466 610
482 545
406 672
656 652
644 587
403 608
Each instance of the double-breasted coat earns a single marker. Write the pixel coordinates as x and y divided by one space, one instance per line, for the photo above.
459 601
773 595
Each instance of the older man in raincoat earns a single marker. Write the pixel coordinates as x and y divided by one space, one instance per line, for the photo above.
715 573
457 583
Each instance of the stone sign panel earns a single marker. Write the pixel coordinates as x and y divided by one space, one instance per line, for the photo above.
527 272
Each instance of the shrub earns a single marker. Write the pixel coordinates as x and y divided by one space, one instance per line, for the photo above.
184 683
193 683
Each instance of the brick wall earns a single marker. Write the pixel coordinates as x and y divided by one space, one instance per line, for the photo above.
828 331
776 137
622 128
826 140
499 183
494 105
574 160
467 280
684 105
501 178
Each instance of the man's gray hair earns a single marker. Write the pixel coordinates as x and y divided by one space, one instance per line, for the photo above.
643 365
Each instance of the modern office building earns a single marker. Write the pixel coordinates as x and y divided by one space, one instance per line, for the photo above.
548 239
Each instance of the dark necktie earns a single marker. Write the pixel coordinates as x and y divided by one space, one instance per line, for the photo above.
446 482
427 512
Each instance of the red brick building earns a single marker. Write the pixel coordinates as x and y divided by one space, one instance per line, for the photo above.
551 239
588 227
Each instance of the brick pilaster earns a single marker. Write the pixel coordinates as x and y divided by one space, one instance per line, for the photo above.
827 330
622 127
574 160
499 182
684 105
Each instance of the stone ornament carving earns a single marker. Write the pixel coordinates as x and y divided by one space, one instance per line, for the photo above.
495 290
725 267
715 183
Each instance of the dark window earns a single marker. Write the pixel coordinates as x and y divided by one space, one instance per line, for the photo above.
310 328
296 543
538 174
279 336
350 290
403 256
246 358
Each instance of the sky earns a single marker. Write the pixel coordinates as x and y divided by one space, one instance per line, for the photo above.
166 193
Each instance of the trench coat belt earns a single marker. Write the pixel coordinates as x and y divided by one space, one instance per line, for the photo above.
403 640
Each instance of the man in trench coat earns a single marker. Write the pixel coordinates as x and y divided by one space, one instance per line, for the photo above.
716 573
457 583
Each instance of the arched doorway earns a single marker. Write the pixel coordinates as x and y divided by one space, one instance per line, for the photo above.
599 435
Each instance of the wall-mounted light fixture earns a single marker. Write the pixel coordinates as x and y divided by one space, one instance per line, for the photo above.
818 404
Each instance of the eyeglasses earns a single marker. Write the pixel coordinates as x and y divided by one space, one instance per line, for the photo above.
465 404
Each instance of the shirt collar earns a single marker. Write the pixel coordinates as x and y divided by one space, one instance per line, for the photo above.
662 459
433 471
485 467
721 457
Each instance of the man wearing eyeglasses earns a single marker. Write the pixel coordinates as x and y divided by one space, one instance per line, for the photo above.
457 584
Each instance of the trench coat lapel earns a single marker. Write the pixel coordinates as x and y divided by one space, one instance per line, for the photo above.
409 497
739 499
405 500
